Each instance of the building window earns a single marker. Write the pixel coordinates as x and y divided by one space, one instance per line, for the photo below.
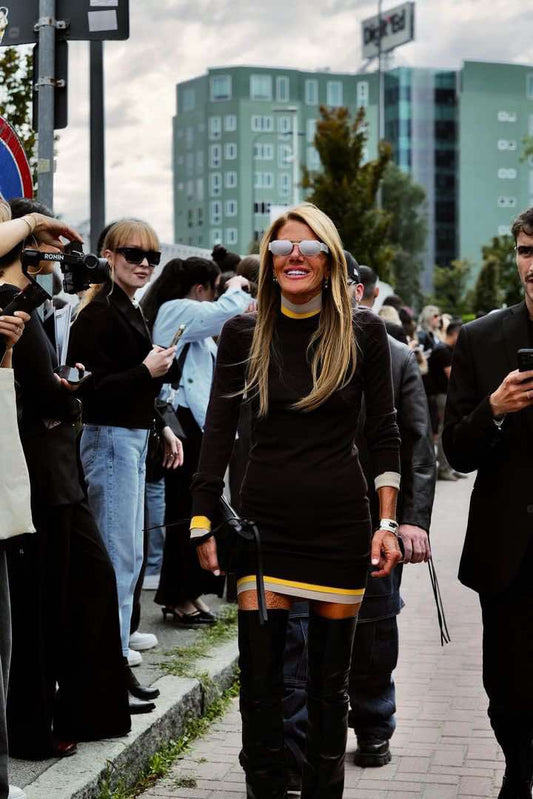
262 124
220 87
230 208
261 87
200 216
529 85
231 235
200 190
230 180
230 151
507 202
530 125
311 130
215 155
506 144
189 164
190 189
179 134
230 123
190 220
284 155
261 208
216 237
215 212
284 184
311 91
507 174
334 93
362 94
504 230
263 180
189 135
215 127
313 159
215 184
263 152
199 160
284 124
189 100
180 186
282 89
506 116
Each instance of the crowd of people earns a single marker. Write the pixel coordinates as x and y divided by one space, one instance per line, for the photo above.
333 422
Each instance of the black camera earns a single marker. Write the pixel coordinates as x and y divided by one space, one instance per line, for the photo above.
79 269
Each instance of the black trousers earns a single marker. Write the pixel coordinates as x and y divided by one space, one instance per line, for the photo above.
182 578
508 655
65 630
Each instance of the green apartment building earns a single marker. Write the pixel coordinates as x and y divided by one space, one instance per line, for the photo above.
242 134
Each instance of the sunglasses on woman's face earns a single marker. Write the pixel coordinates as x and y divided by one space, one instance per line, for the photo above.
135 255
307 247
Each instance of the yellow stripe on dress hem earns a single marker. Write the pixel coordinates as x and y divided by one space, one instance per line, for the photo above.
355 592
293 315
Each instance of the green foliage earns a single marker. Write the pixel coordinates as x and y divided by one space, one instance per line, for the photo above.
527 148
406 203
450 283
487 293
16 93
501 249
346 189
181 658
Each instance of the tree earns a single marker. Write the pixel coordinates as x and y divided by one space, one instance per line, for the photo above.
406 202
487 293
527 151
16 96
450 284
501 249
347 187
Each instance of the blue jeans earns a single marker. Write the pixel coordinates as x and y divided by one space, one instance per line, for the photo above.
114 463
155 515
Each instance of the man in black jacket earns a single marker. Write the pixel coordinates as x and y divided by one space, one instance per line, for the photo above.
489 427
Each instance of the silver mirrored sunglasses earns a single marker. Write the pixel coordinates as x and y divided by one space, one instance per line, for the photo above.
307 247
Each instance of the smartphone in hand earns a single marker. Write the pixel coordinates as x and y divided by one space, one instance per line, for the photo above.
525 360
73 375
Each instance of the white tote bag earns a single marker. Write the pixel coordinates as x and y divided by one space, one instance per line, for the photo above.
15 513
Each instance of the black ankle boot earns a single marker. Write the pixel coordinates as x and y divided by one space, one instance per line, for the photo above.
517 744
261 663
330 650
135 688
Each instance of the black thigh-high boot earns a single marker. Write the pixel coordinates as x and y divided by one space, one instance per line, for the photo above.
516 740
330 651
261 663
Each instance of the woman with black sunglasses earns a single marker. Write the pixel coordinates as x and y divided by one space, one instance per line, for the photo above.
111 339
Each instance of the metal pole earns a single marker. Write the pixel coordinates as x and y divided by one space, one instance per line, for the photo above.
45 83
295 157
97 146
381 95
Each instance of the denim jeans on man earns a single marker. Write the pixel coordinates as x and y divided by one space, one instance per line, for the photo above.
114 463
155 518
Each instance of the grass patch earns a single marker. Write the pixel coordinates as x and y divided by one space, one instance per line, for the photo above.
180 660
162 761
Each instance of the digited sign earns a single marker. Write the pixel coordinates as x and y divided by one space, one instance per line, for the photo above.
397 28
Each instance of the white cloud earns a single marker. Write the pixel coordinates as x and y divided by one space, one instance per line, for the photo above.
173 40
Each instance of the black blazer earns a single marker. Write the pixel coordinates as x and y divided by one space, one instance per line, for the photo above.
500 521
417 457
111 339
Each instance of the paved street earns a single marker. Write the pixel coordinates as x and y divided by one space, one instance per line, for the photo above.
443 747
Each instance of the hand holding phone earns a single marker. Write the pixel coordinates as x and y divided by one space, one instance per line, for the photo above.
72 374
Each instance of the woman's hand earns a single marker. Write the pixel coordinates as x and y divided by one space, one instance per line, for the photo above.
172 449
70 386
47 230
385 553
159 360
12 327
238 282
207 555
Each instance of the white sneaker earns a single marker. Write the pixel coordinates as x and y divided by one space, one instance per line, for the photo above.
151 582
16 793
134 658
141 641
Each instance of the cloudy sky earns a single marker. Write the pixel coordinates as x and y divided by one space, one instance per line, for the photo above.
173 40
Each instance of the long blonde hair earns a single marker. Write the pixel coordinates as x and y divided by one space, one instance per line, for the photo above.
118 235
334 356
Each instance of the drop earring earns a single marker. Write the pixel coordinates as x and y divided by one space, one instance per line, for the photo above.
325 283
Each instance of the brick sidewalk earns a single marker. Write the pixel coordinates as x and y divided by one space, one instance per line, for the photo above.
443 747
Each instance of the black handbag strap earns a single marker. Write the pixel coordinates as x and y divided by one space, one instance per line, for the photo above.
180 364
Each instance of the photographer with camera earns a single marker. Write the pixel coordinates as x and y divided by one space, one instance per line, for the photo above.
110 336
62 586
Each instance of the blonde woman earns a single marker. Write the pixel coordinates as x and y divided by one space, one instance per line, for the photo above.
302 362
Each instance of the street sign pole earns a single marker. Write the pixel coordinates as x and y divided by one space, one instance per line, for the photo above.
97 153
45 85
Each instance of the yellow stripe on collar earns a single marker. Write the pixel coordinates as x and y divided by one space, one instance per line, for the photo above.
292 315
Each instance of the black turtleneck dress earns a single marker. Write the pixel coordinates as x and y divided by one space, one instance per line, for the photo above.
303 484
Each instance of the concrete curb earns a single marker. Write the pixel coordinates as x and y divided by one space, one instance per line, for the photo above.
80 777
